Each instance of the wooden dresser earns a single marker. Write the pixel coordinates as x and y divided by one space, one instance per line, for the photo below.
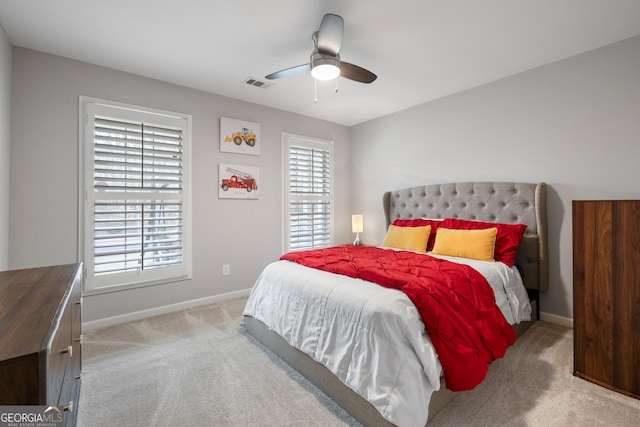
40 319
606 293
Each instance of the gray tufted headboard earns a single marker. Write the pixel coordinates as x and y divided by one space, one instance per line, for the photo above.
503 202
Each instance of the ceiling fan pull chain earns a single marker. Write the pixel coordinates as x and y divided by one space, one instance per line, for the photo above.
315 91
336 85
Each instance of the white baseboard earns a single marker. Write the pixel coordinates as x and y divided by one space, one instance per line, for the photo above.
136 315
558 320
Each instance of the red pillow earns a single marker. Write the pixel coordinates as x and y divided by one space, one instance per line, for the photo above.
507 240
420 222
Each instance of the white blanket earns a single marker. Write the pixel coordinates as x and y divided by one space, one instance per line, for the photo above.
371 337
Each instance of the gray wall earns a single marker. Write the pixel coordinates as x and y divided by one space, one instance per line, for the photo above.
574 124
247 234
5 143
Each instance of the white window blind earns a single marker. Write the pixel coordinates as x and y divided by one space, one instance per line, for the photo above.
137 205
309 193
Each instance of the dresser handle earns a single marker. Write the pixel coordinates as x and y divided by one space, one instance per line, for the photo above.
69 408
69 350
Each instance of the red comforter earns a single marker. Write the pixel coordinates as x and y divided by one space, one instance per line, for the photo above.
456 303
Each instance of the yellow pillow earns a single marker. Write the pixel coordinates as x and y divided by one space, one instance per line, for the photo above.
474 244
410 238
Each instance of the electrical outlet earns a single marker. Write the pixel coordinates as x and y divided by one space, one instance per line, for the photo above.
226 269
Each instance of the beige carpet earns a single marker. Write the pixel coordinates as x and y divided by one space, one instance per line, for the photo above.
534 386
197 368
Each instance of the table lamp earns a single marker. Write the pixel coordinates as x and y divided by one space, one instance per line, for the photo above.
357 227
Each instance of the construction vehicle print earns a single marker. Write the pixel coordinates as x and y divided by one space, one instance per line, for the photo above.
245 135
239 179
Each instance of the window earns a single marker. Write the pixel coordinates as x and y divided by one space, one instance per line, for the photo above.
136 195
308 193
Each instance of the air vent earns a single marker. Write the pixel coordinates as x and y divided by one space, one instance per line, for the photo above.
257 83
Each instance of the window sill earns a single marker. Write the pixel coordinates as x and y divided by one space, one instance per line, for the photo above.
120 288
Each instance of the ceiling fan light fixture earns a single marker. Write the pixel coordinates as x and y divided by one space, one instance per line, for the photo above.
325 72
325 67
324 63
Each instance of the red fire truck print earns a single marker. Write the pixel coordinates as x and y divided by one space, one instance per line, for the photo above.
239 179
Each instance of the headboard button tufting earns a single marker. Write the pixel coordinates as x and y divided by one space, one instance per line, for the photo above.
480 201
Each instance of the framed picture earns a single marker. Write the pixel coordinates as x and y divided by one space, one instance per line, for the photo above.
238 181
239 136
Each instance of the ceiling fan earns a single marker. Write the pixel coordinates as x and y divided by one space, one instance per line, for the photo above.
325 63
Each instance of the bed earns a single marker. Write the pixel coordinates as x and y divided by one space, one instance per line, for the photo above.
268 308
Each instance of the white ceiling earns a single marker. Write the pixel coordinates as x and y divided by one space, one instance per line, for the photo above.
420 49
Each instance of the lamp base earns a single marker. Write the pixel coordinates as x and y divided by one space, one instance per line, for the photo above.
357 242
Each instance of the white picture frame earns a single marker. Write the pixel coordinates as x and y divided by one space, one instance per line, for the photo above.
238 181
239 136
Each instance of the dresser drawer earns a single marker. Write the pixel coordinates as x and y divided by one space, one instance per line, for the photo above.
70 416
40 321
60 353
65 401
71 386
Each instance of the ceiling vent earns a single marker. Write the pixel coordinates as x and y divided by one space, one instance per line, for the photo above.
257 83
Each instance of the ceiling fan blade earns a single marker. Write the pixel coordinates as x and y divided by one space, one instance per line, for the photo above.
358 74
330 34
288 72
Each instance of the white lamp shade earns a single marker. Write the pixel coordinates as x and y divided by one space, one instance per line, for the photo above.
324 67
325 72
357 223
